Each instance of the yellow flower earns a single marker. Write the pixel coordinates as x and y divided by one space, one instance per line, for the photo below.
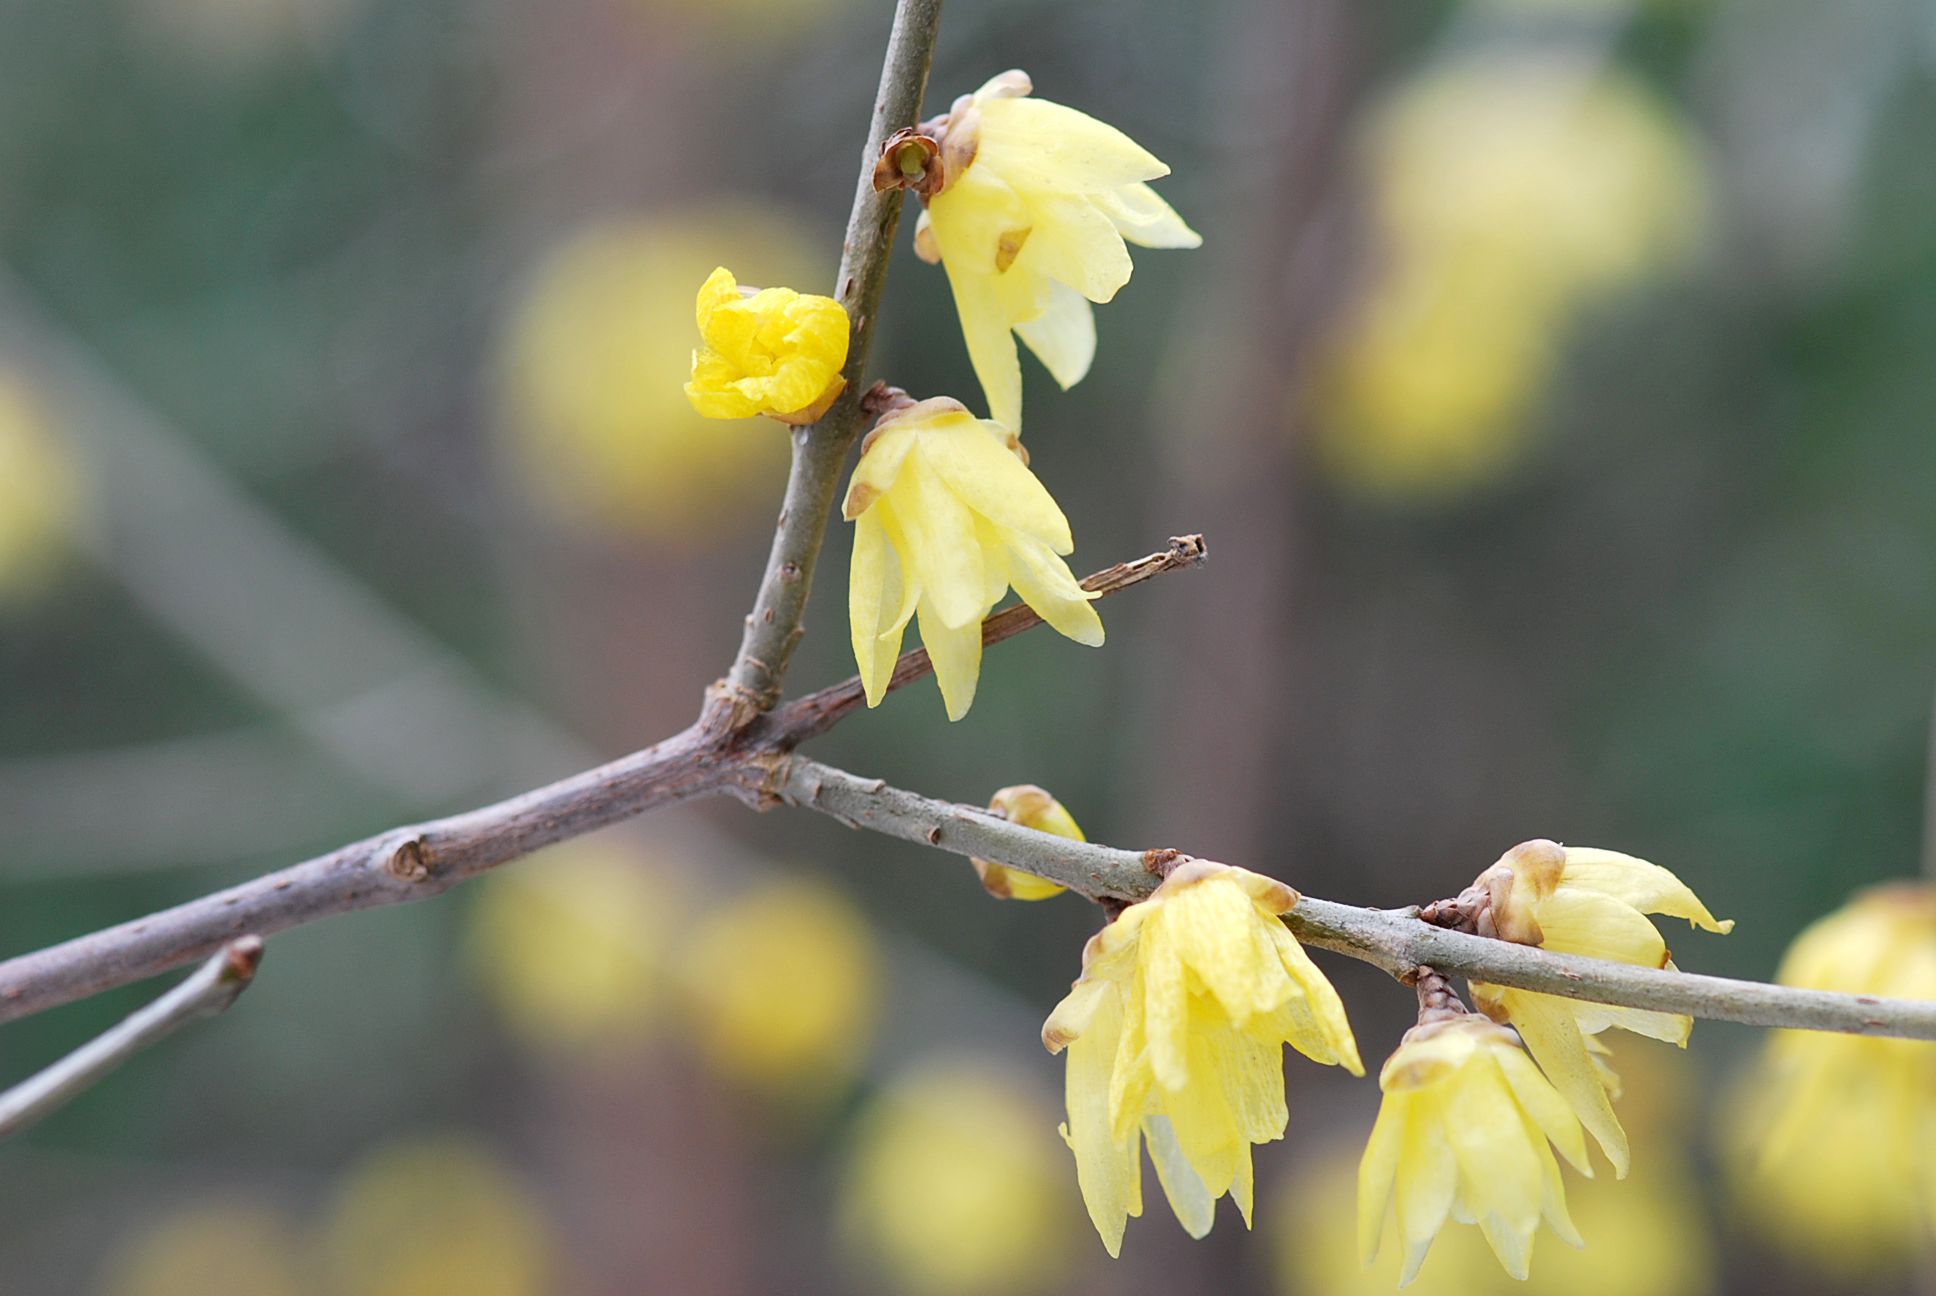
777 352
1175 1033
947 516
1835 1140
1030 222
1031 807
954 1188
1463 1134
780 985
1577 900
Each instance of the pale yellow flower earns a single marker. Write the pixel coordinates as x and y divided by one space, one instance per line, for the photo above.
776 352
432 1216
1036 202
954 1187
1577 900
1031 807
1834 1136
781 989
1175 1033
1462 1134
947 516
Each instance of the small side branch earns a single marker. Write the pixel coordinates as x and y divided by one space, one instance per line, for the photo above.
817 712
210 989
1395 940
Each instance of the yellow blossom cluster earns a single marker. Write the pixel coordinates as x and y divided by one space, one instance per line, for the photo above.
1175 1033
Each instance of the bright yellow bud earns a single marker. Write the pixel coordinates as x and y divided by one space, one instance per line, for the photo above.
947 516
1036 202
1175 1033
1577 900
1031 807
776 352
1463 1131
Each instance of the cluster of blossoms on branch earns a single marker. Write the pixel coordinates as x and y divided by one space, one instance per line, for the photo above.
1175 1030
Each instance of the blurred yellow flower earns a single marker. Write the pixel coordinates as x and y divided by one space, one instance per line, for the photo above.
1833 1137
1645 1234
1509 192
1577 900
781 989
433 1216
1175 1033
571 946
776 352
1463 1134
212 1245
596 427
40 492
947 516
1030 222
953 1187
1031 807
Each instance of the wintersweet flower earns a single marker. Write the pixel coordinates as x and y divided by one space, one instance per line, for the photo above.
1034 204
1462 1134
776 352
1175 1033
1577 900
946 517
1835 1136
1031 807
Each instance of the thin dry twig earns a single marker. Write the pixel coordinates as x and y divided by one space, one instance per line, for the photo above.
206 992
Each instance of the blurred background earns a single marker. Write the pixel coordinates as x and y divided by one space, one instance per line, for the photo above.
1553 388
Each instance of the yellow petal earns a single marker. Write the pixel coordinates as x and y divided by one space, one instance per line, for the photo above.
875 595
956 654
941 547
1073 1016
1427 1178
1145 219
1046 584
1647 887
1331 1040
970 456
1377 1172
1670 1028
1074 243
985 325
1046 145
1553 1038
1545 1107
1106 1168
1194 1205
1063 336
1572 921
877 470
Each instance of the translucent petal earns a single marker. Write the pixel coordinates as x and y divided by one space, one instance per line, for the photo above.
1145 219
1329 1038
1553 1038
1165 1010
1584 922
941 548
1106 1167
1427 1177
1195 1206
875 592
1063 336
994 561
1044 145
1494 1147
1671 1028
1377 1173
1046 584
1074 243
1545 1107
877 470
1553 1202
1072 1017
985 325
956 654
1647 887
970 457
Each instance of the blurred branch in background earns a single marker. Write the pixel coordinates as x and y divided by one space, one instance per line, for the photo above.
209 990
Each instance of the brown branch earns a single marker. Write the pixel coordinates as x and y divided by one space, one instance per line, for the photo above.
773 628
212 988
1395 940
819 711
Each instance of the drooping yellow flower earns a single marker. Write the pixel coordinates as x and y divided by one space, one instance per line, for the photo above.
780 986
946 517
1035 203
1577 900
1834 1139
1175 1033
1031 807
954 1187
1462 1134
776 352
